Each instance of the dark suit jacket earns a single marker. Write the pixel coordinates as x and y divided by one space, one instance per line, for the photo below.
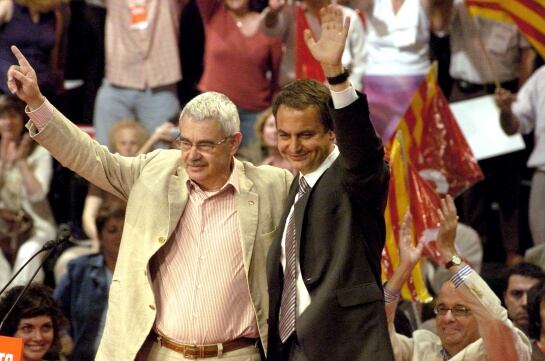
341 231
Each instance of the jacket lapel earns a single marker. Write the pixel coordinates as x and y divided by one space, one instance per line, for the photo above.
299 214
273 259
247 206
177 198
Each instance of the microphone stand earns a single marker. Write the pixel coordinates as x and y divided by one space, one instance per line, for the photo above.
44 248
49 246
50 249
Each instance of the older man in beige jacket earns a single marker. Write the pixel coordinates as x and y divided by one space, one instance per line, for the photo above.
190 277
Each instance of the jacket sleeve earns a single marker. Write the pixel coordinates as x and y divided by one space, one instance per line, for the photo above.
74 149
501 339
366 173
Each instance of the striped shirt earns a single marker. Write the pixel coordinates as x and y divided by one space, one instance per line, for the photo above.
140 58
200 286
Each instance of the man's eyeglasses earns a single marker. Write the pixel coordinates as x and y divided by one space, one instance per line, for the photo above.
457 311
204 146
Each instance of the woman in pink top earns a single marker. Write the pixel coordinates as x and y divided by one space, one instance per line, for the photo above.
239 61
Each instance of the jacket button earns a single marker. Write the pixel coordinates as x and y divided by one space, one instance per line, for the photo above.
308 279
162 239
251 203
152 307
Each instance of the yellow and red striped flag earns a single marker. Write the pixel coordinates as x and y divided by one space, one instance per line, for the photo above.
435 144
489 9
429 156
528 15
408 193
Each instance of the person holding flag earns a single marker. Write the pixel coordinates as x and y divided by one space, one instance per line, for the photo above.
488 53
524 113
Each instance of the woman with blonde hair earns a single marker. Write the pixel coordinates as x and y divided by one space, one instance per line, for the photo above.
126 137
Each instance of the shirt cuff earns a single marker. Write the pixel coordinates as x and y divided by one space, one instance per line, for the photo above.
40 116
344 98
390 297
460 276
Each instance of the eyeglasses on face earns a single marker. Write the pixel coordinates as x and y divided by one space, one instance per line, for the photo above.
456 311
204 146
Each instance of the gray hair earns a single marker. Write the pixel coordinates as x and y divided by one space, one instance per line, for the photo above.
214 105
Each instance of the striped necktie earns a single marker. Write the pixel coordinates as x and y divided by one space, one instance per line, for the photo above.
288 309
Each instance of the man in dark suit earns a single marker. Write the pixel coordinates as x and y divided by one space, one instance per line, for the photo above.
326 298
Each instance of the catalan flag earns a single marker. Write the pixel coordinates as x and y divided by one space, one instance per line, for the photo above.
407 193
528 15
429 156
435 144
489 9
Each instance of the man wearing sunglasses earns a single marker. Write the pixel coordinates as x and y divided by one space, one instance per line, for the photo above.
471 323
190 280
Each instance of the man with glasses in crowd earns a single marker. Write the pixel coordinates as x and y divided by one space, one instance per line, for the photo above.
471 323
190 276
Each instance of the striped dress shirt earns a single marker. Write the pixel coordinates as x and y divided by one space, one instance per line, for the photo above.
200 286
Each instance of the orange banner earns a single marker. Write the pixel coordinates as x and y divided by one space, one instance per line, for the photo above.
11 348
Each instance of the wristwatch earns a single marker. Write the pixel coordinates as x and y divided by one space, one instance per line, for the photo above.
454 261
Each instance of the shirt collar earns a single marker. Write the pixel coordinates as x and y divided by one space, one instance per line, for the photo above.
313 177
233 182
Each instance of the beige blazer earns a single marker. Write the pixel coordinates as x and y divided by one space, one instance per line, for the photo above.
154 186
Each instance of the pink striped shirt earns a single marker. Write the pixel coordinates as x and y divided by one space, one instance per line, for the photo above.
200 286
143 57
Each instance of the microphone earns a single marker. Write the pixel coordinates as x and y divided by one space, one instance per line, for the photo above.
64 235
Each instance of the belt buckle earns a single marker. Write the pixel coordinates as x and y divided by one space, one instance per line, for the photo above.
191 352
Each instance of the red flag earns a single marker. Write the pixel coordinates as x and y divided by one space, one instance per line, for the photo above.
408 192
435 144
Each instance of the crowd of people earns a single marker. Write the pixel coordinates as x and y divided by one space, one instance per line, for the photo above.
264 239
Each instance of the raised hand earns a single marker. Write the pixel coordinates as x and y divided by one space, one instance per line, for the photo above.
328 49
8 149
11 153
24 148
409 254
447 230
22 81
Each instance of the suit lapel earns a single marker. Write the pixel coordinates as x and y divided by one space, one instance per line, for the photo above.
299 214
273 259
247 206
